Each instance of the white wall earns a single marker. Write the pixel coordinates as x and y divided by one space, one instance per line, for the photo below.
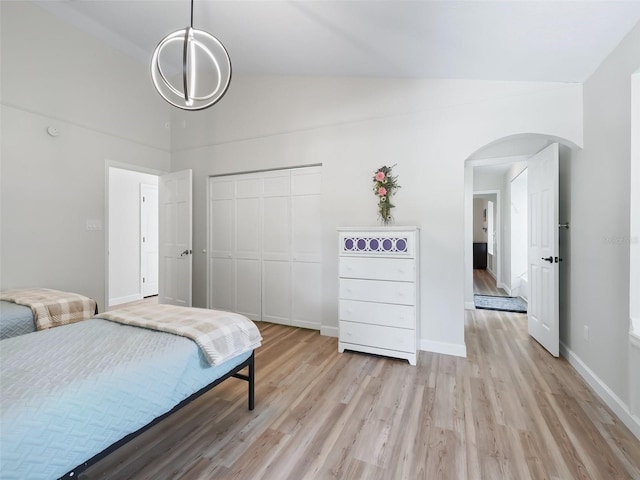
598 202
124 234
634 244
634 240
104 108
352 126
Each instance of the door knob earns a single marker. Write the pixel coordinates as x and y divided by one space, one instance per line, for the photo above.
186 252
548 259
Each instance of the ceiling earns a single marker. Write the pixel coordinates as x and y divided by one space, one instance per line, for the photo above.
563 41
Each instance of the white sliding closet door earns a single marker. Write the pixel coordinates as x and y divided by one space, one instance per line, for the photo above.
276 247
222 263
234 244
247 235
306 269
264 243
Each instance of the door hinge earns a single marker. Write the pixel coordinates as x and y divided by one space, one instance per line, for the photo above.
144 239
144 199
144 280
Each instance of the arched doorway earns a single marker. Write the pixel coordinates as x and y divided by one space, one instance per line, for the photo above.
505 160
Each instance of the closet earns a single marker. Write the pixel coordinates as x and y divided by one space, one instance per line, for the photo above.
264 245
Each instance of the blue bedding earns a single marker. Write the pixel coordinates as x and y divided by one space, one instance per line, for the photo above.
70 392
15 320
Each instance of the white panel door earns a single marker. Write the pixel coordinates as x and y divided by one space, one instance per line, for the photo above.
265 247
222 244
306 248
248 191
175 210
543 251
149 239
276 247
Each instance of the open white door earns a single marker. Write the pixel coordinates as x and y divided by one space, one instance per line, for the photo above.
543 248
175 238
149 239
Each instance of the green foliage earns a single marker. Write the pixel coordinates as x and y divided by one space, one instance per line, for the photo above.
384 184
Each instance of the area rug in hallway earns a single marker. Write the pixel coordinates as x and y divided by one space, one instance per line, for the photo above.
504 304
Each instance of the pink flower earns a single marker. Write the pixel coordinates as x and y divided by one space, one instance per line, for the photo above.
382 191
379 176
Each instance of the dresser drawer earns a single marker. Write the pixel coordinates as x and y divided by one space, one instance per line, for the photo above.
378 336
400 293
381 243
402 316
396 269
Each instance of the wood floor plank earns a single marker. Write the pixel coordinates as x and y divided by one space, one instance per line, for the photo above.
507 411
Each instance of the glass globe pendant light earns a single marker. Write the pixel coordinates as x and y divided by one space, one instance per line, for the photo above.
205 67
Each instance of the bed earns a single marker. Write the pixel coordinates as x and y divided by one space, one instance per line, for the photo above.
72 394
27 310
15 320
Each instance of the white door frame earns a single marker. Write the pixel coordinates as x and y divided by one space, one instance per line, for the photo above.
124 166
144 216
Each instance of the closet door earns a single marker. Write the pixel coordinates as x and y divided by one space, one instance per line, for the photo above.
247 245
222 268
276 247
234 244
265 246
306 253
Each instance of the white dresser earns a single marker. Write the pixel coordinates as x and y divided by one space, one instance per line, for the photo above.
379 294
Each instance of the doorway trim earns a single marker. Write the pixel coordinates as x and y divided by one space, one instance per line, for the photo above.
124 166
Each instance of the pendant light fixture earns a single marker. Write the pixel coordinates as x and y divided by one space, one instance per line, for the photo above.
205 68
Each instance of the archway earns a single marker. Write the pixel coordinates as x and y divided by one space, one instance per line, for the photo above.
505 158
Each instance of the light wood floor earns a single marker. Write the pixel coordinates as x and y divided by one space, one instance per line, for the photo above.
508 411
485 284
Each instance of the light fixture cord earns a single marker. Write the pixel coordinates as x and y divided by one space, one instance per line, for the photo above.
191 13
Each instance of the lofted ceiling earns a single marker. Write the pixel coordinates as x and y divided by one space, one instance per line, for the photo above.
562 41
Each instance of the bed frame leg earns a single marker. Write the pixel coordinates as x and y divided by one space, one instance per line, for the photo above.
252 381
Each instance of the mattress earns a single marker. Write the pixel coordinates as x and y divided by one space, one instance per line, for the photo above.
15 320
70 392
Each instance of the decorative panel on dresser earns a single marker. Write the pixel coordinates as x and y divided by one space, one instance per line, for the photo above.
378 307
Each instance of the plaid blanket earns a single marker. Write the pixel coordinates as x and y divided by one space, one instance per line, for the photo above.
220 335
52 308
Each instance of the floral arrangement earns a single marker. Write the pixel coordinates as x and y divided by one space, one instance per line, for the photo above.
384 183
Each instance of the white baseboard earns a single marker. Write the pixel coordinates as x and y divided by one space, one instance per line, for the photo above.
634 332
614 402
329 331
126 299
469 306
505 288
455 349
